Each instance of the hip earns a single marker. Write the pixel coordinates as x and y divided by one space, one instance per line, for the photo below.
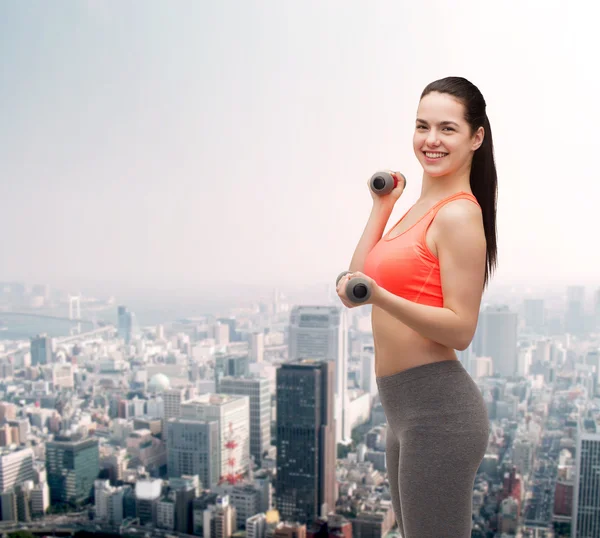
439 395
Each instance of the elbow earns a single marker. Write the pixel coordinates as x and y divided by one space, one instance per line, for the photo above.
464 340
461 345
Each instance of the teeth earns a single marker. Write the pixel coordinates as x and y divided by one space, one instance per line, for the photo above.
435 155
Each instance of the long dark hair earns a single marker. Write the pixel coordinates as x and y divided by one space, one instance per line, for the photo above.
483 179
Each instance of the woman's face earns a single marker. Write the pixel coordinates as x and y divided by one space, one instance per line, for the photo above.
442 141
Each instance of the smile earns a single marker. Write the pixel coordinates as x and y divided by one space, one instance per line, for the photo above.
434 156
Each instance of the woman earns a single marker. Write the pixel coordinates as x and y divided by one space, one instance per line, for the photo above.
427 276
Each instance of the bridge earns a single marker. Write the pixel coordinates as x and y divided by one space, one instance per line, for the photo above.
46 316
108 329
74 316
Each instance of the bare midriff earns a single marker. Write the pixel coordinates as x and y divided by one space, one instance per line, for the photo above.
398 347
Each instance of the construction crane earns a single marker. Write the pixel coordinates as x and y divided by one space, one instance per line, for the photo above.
230 444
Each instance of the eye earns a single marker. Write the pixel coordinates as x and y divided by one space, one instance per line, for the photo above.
448 129
421 127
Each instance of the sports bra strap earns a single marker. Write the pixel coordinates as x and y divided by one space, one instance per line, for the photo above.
462 195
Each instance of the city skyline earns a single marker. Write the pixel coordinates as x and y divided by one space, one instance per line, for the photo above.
193 150
160 408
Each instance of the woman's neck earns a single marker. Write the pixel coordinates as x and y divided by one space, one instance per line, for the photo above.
437 188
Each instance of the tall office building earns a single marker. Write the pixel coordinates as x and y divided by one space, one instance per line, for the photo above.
496 337
257 346
72 466
186 489
534 312
592 358
193 449
586 508
16 467
306 451
220 332
257 389
321 332
230 365
596 316
125 323
173 398
41 350
368 381
575 313
232 414
232 324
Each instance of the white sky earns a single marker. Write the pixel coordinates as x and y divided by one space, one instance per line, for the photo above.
207 144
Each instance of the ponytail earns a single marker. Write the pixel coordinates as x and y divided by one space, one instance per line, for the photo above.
484 184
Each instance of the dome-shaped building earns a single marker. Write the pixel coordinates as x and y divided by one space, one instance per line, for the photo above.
159 383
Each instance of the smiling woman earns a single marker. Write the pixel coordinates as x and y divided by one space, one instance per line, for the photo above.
426 277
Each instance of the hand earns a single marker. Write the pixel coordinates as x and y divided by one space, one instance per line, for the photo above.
341 289
390 197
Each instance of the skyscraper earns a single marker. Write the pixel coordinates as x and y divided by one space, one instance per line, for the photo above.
257 389
257 346
232 414
16 467
586 509
596 313
193 449
231 322
306 449
125 322
496 337
575 314
321 332
230 365
535 314
173 398
41 350
72 464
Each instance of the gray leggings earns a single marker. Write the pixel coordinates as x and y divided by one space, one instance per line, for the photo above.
437 436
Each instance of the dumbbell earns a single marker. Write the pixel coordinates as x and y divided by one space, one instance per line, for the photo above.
384 182
358 289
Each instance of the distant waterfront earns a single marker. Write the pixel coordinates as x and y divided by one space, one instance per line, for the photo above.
146 312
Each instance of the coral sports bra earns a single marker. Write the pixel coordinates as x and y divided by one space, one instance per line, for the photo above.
404 265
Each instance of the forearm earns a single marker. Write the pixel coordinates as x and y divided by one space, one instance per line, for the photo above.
380 214
439 324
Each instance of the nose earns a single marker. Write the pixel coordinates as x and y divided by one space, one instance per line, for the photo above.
432 138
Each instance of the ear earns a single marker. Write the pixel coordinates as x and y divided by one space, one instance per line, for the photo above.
478 139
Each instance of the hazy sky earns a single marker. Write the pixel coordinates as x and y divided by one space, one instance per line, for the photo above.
201 144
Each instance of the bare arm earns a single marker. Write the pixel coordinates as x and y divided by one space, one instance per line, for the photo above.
461 246
380 214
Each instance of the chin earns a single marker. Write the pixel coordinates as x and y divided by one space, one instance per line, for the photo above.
435 170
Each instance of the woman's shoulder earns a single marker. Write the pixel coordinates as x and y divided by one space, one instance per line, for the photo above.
458 213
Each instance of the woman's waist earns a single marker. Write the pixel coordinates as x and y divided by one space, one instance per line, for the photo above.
398 347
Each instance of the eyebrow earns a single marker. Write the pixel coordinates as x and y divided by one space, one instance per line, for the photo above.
441 122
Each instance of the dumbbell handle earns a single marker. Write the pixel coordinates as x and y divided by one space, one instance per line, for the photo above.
358 290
